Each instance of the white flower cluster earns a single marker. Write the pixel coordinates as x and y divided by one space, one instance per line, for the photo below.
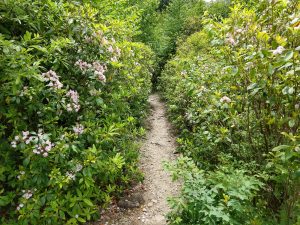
99 71
78 129
117 51
230 40
20 206
225 99
239 31
24 91
74 105
278 51
70 175
236 36
43 148
83 66
95 67
27 194
114 59
88 39
25 137
14 143
78 168
53 79
110 49
249 65
183 73
42 143
21 174
104 41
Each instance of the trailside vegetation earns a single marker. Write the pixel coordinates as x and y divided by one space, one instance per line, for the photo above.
233 93
74 81
73 91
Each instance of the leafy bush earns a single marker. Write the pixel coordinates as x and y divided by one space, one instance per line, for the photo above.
221 197
175 22
218 9
164 27
73 90
232 89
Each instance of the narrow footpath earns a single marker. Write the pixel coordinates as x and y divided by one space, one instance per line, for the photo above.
158 147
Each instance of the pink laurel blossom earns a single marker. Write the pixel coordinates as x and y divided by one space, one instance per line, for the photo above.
78 129
52 79
74 97
278 51
225 99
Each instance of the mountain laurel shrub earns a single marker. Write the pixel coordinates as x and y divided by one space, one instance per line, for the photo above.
233 92
73 91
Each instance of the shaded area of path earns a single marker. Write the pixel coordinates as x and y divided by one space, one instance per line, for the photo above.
157 148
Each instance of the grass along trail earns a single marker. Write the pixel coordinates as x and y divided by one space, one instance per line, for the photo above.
158 147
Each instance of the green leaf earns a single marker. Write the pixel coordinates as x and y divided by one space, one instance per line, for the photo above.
288 55
5 200
292 123
297 173
88 202
99 101
280 147
62 214
26 161
81 220
252 86
271 69
72 221
118 160
255 91
27 36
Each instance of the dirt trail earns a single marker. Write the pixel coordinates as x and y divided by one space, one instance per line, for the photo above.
157 148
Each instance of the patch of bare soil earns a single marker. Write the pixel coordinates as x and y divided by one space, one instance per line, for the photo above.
148 202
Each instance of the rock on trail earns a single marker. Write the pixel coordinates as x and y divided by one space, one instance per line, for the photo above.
151 207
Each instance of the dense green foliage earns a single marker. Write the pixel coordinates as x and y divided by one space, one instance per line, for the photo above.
233 93
73 90
162 28
167 23
218 9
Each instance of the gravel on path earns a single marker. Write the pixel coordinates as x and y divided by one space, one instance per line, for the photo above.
159 146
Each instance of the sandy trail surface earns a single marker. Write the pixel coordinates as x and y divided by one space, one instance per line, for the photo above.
158 147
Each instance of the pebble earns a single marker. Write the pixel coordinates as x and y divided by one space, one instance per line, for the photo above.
150 204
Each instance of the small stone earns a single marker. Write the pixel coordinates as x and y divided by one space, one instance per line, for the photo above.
158 219
150 204
144 210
